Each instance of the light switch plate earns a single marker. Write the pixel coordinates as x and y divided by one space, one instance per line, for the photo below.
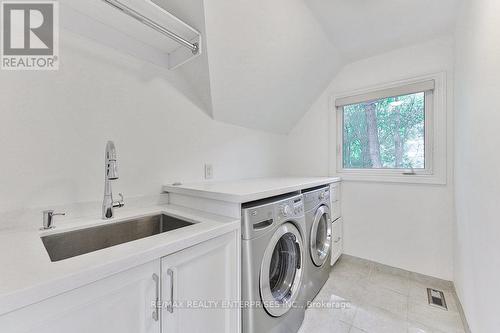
209 171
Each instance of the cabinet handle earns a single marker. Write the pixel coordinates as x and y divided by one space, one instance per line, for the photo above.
170 306
156 279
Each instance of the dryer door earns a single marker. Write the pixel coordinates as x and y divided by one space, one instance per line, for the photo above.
281 270
321 236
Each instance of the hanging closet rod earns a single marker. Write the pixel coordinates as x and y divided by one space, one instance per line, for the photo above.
194 47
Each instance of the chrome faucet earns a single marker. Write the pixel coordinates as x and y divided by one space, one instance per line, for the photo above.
48 219
110 173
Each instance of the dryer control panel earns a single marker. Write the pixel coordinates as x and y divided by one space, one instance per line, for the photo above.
316 197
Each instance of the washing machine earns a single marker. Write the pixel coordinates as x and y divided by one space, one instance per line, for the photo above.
318 240
273 258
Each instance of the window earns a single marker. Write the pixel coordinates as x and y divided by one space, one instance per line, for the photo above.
386 133
389 133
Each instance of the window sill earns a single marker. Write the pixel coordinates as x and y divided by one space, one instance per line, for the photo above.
391 177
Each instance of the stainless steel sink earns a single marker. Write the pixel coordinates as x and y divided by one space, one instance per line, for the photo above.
74 243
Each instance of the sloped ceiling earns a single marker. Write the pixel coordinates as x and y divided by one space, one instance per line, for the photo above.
265 62
361 28
196 73
268 61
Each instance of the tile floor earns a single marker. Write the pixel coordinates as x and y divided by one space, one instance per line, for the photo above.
365 297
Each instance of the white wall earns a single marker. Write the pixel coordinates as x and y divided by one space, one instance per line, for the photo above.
403 225
477 245
54 127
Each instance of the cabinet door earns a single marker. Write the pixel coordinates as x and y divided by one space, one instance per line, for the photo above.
337 240
335 210
198 285
334 192
122 303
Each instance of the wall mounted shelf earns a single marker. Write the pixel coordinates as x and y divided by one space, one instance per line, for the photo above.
139 28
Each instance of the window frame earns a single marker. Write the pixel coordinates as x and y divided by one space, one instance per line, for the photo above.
435 137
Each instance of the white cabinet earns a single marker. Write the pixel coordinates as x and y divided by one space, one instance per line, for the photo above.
120 303
134 301
198 285
337 240
337 223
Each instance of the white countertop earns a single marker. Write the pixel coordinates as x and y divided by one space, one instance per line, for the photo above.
27 275
240 191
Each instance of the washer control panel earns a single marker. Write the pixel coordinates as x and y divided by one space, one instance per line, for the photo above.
259 217
298 208
291 208
286 210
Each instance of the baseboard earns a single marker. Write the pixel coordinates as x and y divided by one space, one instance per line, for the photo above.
461 311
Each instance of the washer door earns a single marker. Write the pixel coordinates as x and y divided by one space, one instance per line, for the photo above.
321 236
281 270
